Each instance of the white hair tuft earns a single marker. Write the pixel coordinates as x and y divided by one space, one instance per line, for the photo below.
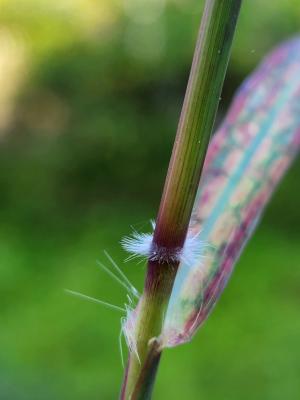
142 245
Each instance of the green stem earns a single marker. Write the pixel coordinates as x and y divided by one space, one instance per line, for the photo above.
195 126
141 371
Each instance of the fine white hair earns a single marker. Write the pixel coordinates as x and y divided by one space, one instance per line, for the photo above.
141 245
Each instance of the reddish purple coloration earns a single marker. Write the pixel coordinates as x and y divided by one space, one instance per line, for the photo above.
245 161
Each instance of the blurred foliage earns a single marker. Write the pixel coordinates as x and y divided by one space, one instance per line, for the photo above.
90 98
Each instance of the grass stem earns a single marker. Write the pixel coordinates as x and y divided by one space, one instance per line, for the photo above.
195 126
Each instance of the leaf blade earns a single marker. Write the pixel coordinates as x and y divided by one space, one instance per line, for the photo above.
246 160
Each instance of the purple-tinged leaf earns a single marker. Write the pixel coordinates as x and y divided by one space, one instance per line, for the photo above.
246 160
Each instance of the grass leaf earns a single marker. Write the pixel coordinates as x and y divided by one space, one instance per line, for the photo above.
246 160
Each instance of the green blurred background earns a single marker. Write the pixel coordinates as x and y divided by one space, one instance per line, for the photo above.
90 94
